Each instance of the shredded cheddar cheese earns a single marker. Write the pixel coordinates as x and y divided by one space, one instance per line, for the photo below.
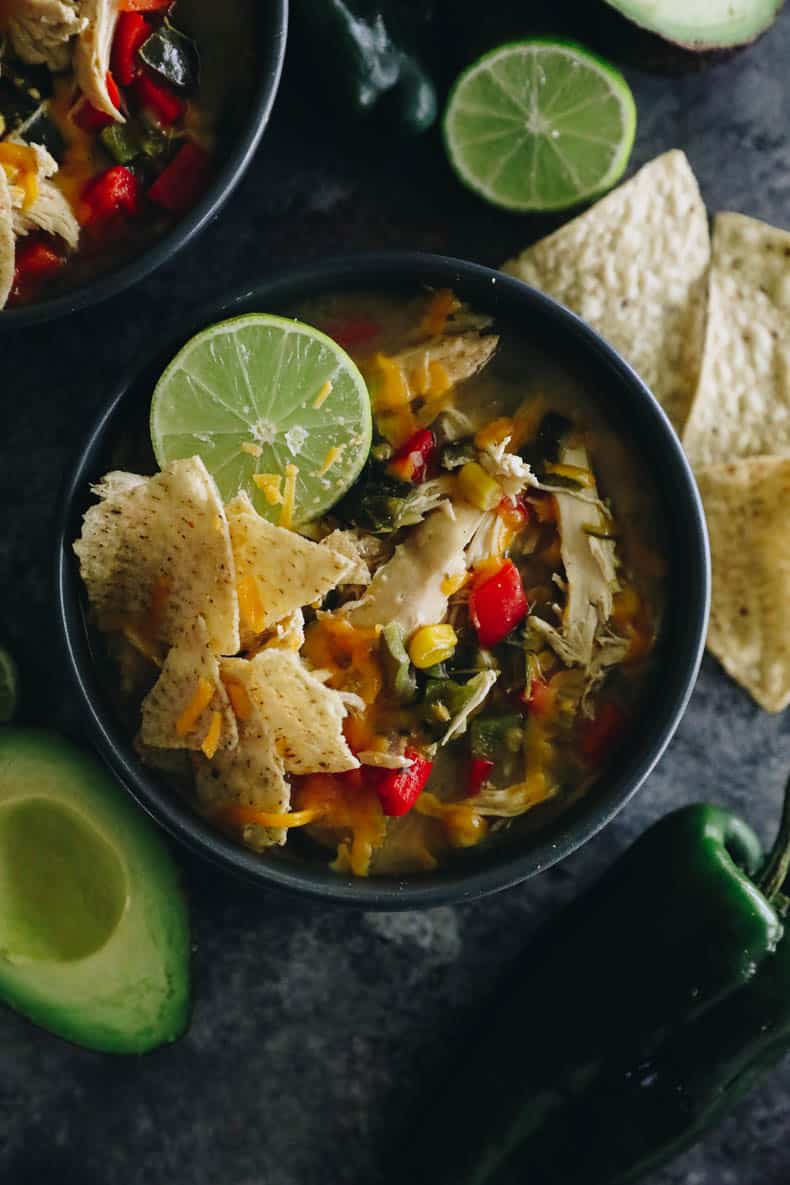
495 432
323 395
244 815
440 381
251 606
195 708
463 825
269 484
333 454
211 739
451 584
289 494
20 164
239 700
442 305
253 450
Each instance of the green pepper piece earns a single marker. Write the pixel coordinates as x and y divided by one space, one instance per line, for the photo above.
444 699
399 674
639 1014
172 55
494 736
120 142
364 66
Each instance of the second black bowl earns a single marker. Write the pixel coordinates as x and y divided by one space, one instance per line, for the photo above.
630 408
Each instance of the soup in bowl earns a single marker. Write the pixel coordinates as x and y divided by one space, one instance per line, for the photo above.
397 606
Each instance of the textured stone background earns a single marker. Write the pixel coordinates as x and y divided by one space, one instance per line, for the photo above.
312 1026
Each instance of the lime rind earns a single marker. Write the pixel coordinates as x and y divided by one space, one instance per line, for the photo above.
254 381
497 94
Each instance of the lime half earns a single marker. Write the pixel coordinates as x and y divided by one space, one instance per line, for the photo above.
274 408
539 125
9 687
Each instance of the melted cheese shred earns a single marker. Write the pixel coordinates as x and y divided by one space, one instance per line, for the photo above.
204 693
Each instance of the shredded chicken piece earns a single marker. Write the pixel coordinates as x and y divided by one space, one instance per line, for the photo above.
41 31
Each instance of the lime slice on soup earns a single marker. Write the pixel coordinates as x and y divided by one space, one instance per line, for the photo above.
274 407
539 125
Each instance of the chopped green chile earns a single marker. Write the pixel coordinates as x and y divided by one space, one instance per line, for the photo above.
172 55
493 737
120 142
399 674
444 699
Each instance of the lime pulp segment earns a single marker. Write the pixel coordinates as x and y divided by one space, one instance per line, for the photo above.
256 395
539 125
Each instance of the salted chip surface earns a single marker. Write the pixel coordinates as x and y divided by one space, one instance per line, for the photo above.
179 709
288 570
634 266
251 774
305 716
746 505
155 553
742 404
7 241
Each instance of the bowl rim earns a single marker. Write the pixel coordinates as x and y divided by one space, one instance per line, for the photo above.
111 283
585 818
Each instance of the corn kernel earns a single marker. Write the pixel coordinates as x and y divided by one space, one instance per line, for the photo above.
432 644
478 487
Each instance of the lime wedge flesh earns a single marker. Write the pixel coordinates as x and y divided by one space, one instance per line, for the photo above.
9 687
256 394
539 125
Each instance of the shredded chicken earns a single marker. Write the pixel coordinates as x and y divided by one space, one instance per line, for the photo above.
6 240
92 54
41 31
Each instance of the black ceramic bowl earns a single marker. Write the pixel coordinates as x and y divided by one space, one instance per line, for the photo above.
269 37
632 410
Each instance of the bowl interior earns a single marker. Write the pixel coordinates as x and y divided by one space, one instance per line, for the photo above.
631 411
251 107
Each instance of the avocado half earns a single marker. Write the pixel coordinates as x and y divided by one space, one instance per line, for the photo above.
701 25
94 934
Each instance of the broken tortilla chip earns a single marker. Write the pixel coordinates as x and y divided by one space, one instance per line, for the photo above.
251 774
7 241
634 266
277 570
305 716
178 711
155 554
746 505
742 404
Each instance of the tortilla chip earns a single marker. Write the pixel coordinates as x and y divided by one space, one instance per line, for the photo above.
188 662
7 241
165 539
634 267
746 504
742 405
252 774
288 570
306 717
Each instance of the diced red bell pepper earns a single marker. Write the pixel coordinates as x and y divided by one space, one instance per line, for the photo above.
399 789
479 769
89 118
498 604
514 512
411 461
34 262
131 31
353 333
113 193
158 97
602 733
178 186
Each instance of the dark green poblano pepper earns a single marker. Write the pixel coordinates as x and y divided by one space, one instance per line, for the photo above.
640 1016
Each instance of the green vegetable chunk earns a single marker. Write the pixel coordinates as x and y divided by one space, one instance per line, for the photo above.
121 143
94 936
494 736
398 671
173 55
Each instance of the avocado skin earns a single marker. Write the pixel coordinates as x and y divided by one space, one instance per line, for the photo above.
133 993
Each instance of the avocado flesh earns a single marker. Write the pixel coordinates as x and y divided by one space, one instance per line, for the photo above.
94 936
702 24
